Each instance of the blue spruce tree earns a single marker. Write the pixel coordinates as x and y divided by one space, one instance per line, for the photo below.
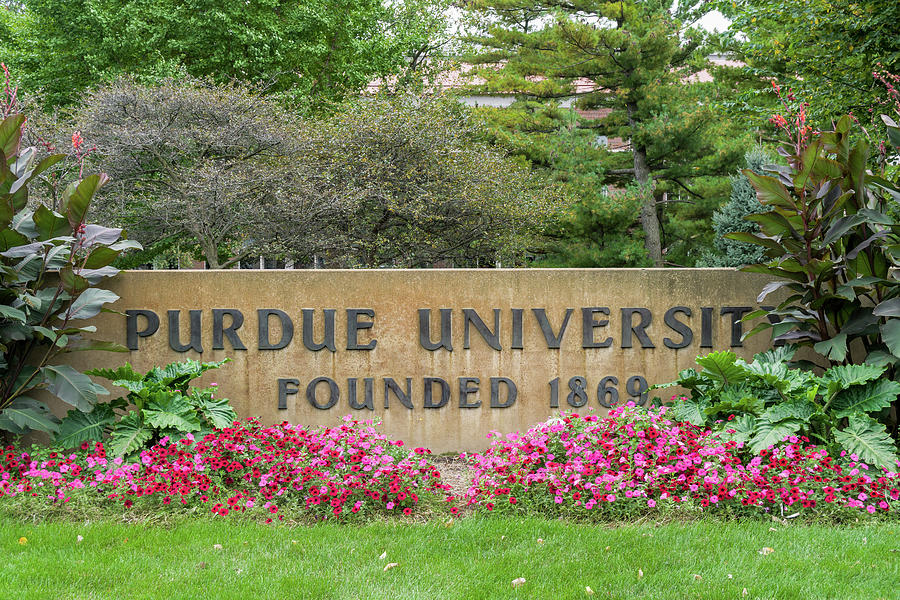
730 217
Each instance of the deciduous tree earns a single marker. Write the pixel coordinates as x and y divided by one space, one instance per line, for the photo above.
218 167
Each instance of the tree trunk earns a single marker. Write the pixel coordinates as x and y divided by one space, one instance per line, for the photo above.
649 220
211 254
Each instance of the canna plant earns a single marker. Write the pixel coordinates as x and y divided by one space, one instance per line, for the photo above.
164 406
762 402
50 265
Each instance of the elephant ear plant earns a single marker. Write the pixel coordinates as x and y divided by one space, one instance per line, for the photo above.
831 238
763 402
49 264
164 406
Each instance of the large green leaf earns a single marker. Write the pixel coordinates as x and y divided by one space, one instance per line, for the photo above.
129 435
781 354
70 386
77 198
11 135
89 303
217 412
868 439
180 373
743 425
9 312
689 411
78 427
124 372
722 367
7 424
72 282
171 410
30 414
843 376
888 308
50 224
736 400
795 408
769 433
834 349
769 190
890 333
873 396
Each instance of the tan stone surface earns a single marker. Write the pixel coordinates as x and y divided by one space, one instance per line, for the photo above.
395 296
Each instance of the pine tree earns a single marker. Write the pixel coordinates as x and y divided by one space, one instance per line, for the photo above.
635 61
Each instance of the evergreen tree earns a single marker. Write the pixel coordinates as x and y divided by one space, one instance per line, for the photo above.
730 218
634 60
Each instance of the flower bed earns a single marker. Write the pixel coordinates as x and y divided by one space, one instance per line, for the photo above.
326 472
638 461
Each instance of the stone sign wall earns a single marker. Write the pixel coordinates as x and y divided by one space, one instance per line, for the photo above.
441 356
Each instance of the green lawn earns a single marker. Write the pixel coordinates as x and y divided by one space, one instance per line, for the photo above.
474 558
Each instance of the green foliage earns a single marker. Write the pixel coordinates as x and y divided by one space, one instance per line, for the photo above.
730 218
826 50
163 405
312 53
763 402
418 186
635 62
830 236
215 168
49 263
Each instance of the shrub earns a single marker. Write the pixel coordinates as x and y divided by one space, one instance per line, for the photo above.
50 263
165 406
637 461
765 401
326 473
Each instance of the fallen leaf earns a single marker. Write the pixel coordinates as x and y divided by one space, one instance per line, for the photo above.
201 565
588 590
293 541
772 529
518 581
383 555
23 541
217 546
766 551
697 577
391 566
449 523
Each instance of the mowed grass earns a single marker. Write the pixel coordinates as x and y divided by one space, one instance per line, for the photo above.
473 557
